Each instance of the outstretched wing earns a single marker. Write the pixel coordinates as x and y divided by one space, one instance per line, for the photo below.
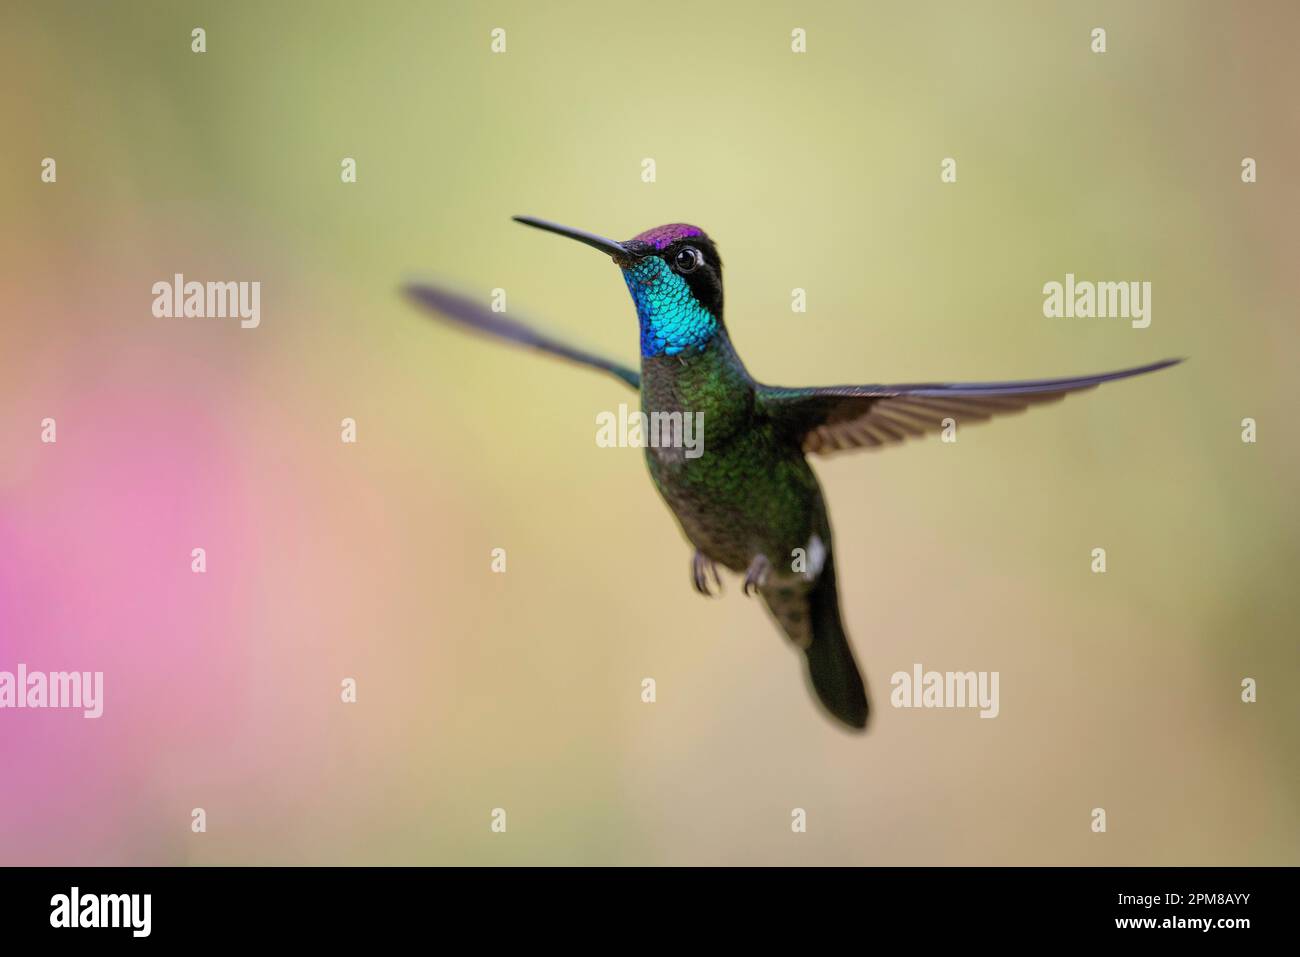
473 315
836 418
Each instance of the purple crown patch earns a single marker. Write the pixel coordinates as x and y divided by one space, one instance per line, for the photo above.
663 236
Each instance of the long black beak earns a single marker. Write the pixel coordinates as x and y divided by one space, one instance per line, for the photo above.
618 251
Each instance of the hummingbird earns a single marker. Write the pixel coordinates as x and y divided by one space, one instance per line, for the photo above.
751 503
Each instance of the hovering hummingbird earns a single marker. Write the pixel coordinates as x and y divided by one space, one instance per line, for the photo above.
751 503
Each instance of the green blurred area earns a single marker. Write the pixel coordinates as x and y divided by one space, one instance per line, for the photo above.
818 171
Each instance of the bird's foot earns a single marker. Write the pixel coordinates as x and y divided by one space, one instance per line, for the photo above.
700 568
756 574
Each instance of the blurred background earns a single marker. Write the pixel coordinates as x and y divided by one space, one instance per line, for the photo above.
522 690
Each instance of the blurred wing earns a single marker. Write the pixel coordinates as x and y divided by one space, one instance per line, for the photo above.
836 418
473 315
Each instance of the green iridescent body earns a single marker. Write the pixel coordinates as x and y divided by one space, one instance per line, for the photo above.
749 493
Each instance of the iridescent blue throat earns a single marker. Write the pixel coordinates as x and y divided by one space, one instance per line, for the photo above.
672 321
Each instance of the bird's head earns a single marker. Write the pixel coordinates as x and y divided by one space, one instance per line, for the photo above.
675 277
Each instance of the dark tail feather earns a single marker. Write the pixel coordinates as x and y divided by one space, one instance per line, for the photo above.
834 673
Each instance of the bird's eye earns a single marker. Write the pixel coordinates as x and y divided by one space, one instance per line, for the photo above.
688 257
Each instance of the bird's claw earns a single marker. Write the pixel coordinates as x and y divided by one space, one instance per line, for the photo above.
700 568
756 574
